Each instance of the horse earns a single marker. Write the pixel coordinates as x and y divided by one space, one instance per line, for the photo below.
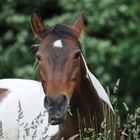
66 79
72 96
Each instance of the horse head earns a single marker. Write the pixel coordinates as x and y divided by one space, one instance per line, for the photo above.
59 61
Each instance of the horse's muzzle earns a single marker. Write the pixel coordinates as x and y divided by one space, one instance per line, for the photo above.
55 120
56 107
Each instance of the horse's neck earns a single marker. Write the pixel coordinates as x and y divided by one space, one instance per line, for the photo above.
87 105
86 109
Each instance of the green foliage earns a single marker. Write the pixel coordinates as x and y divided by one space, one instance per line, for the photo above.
111 40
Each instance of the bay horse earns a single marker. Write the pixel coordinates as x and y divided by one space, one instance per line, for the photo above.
71 94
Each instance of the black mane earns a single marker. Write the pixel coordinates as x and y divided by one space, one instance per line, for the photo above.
60 30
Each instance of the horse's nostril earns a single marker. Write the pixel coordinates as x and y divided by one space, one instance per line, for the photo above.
47 103
63 100
64 97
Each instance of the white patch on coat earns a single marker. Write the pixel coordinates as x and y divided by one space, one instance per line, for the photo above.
31 96
58 44
98 87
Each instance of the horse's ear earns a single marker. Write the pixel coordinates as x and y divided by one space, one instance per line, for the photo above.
37 24
78 25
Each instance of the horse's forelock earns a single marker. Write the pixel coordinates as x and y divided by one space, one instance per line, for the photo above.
60 30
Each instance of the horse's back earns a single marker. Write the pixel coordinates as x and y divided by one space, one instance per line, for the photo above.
28 93
21 111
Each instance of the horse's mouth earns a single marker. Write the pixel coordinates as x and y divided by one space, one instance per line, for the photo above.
56 120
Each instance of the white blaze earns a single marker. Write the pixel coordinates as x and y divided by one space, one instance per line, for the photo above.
58 44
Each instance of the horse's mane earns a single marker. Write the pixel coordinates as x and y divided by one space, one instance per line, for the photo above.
97 85
60 30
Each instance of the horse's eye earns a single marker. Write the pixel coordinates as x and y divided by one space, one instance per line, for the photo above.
38 57
77 55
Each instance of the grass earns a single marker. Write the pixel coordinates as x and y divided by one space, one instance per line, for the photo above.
130 130
31 129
